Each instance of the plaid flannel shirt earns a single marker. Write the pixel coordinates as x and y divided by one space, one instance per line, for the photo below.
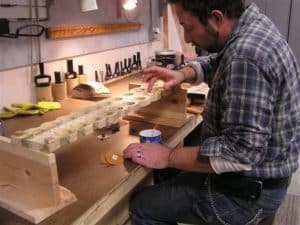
252 114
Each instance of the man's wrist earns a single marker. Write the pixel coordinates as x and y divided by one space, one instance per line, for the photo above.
188 74
171 159
184 75
197 69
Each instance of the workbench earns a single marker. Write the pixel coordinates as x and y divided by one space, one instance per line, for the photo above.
102 191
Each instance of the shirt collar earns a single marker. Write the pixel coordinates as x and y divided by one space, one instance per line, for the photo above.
250 14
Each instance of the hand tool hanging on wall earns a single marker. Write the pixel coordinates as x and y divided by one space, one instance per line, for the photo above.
108 72
123 70
82 78
96 76
139 62
134 65
42 83
129 66
42 80
59 88
70 74
117 70
125 66
70 77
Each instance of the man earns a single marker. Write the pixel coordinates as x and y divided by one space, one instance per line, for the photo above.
250 132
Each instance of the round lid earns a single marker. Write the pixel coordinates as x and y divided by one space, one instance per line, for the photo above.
166 52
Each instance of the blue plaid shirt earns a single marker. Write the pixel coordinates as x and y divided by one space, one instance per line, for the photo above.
252 115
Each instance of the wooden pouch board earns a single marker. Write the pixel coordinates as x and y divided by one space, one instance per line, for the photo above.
170 110
29 185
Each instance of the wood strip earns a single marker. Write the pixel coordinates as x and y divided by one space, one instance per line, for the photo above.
86 30
179 31
166 28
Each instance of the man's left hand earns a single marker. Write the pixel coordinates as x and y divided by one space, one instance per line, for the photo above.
154 156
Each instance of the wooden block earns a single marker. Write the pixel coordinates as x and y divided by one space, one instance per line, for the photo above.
100 123
29 184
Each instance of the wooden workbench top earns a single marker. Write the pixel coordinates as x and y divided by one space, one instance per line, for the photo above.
98 187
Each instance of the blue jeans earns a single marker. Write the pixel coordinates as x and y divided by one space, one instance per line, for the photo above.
190 198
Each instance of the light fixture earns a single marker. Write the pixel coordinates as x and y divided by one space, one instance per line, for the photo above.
129 4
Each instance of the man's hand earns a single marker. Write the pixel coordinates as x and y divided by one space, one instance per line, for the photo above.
154 156
170 77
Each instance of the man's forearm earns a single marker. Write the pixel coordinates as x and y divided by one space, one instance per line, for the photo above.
187 159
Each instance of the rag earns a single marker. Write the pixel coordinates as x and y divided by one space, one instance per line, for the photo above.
27 109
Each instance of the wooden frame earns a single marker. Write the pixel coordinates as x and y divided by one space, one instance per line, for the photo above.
29 185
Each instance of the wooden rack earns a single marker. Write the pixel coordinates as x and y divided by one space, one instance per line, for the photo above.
29 184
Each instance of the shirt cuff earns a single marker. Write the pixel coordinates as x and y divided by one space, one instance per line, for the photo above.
221 165
198 69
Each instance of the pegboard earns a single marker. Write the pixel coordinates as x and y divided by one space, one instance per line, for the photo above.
26 51
15 10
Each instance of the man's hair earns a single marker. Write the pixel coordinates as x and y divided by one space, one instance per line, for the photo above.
202 8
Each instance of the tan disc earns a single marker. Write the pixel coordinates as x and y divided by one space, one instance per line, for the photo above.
103 157
114 158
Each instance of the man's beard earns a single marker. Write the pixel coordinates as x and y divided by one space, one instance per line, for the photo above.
215 45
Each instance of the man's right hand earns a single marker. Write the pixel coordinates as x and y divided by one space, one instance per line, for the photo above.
170 77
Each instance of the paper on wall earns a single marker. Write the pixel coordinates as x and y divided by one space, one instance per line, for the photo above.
88 5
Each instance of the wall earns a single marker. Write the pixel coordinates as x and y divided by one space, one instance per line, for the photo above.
18 57
277 11
17 85
25 51
294 34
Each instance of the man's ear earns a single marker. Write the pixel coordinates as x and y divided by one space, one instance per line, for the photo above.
217 16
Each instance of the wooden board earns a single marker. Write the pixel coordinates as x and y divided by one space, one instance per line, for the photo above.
85 30
168 111
29 184
96 186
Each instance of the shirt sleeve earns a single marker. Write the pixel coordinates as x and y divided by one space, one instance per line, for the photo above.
199 71
242 106
204 67
221 165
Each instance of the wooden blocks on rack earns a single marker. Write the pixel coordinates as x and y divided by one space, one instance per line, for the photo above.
29 185
52 135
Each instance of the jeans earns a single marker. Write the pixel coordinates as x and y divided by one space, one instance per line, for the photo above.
190 198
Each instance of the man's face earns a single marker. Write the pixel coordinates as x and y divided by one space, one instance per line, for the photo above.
202 36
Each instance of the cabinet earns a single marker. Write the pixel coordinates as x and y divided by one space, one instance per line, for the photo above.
294 31
278 11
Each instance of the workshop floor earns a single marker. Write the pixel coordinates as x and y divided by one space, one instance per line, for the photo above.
289 211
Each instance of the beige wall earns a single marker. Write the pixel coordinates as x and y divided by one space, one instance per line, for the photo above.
16 85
